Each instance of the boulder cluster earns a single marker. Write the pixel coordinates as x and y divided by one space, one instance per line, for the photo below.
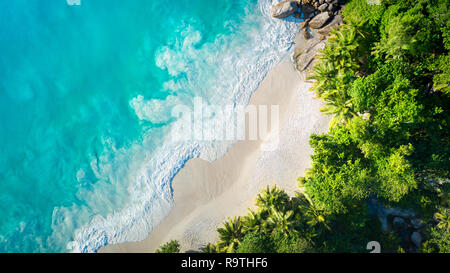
403 222
317 14
319 17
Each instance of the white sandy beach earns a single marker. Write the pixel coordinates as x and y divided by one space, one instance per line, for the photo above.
205 194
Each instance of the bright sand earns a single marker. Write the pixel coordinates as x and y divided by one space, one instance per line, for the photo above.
205 193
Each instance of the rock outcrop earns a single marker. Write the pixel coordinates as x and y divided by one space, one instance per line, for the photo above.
315 27
336 21
403 222
319 20
416 238
308 10
284 9
398 223
316 9
304 54
323 7
416 223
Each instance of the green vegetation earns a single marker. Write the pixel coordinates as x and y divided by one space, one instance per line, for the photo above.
171 247
256 243
278 225
230 235
384 76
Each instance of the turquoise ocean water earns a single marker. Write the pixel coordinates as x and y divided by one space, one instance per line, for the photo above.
86 94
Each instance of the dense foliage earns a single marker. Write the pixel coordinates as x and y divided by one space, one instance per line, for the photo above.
170 247
384 76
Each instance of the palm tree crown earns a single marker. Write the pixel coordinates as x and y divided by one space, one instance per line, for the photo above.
230 235
314 215
272 197
253 222
281 221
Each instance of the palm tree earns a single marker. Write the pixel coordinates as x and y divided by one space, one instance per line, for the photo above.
336 68
281 221
253 222
230 236
301 180
444 219
324 74
341 49
211 248
341 108
313 214
272 197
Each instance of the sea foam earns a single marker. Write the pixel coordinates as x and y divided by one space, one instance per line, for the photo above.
225 71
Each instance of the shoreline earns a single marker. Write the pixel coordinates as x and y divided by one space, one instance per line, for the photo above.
205 193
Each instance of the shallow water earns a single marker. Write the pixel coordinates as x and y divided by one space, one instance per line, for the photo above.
86 94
